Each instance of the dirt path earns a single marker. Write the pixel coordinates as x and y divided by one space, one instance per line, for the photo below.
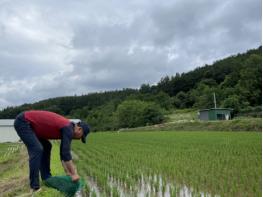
10 185
14 176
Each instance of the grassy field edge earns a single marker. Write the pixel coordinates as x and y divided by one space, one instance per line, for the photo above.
249 124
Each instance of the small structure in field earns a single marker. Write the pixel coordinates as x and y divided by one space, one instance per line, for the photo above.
215 114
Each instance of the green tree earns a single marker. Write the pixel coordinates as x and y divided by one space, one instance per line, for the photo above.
203 96
135 113
180 100
250 82
102 118
162 99
145 88
232 102
153 114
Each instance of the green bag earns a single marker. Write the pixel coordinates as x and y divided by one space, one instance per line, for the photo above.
65 184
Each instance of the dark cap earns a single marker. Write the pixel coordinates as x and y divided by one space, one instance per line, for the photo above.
86 130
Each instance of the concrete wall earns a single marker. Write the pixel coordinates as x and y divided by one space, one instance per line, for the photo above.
7 131
204 115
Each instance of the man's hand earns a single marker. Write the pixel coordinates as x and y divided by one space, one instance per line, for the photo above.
75 177
65 169
70 170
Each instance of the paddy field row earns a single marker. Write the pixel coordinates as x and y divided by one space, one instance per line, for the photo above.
171 163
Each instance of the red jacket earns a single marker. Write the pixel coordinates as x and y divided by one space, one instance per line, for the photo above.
46 124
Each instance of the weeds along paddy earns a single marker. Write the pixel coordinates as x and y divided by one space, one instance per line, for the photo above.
171 163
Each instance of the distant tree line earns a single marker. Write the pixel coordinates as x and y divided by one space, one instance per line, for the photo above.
235 80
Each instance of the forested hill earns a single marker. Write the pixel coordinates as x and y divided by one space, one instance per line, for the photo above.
232 67
236 80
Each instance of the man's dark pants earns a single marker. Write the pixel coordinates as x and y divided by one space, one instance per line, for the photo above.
38 151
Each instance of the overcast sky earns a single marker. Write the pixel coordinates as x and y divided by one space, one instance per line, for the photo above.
55 48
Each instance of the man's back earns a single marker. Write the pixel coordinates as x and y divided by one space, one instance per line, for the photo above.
46 124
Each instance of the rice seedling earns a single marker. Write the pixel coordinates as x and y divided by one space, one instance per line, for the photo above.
212 163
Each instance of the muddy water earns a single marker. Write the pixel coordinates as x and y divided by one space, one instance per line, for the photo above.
149 186
93 186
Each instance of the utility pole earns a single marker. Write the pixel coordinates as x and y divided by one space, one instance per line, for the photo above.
215 99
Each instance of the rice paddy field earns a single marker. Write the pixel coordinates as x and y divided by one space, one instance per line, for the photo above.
161 164
171 163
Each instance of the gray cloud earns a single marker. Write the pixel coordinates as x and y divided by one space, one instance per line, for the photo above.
121 67
56 48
